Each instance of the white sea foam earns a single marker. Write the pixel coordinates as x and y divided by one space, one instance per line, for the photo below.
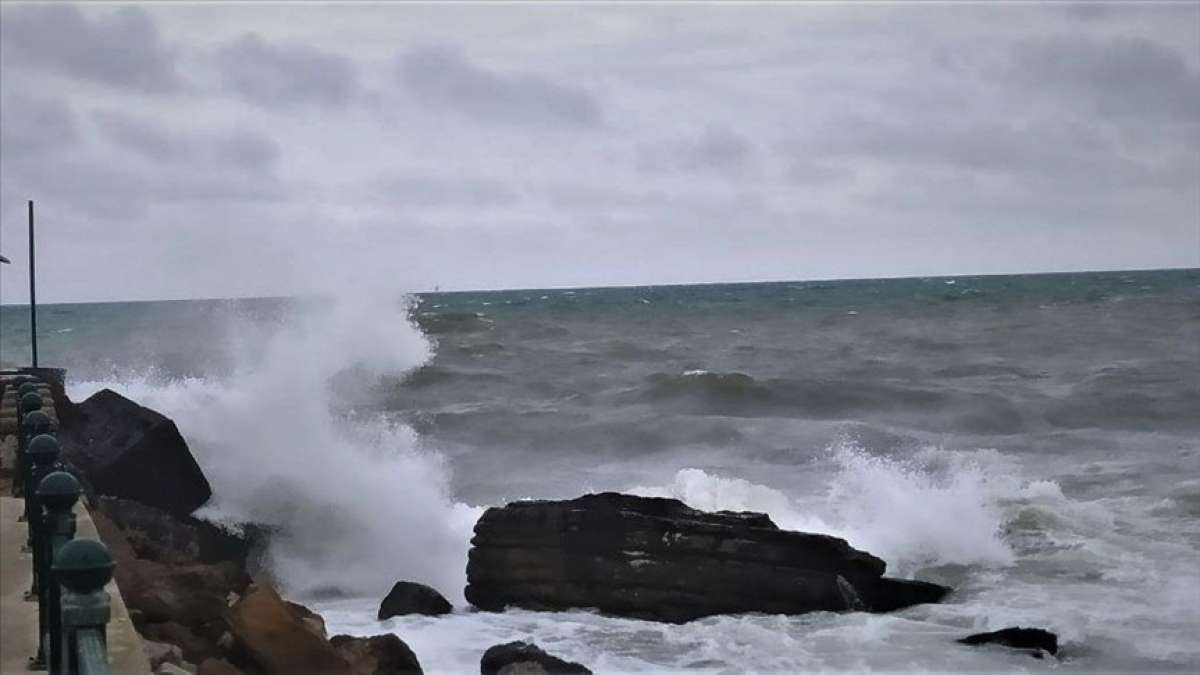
357 505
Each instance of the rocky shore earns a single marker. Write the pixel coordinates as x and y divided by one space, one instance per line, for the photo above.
201 599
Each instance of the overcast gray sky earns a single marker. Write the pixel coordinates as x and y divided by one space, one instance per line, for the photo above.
226 149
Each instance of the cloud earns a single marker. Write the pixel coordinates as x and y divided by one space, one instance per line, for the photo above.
281 75
714 149
121 48
426 191
445 78
1130 78
237 148
34 124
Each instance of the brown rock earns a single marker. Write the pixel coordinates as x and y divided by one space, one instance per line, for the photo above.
277 640
377 655
313 621
195 647
217 667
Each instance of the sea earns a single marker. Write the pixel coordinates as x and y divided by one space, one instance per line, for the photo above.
1032 441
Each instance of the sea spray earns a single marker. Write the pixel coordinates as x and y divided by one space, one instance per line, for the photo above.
942 507
356 505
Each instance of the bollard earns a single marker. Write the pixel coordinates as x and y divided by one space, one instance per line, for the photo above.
58 493
34 424
28 385
83 567
43 456
27 402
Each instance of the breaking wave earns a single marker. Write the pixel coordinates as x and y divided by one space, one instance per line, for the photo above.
355 501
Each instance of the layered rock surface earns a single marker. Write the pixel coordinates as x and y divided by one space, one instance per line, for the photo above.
659 559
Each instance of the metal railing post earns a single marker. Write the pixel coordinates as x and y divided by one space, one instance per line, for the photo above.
30 401
34 424
25 385
83 567
43 454
58 493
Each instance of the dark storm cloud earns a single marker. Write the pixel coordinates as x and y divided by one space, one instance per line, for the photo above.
445 77
282 75
120 48
34 124
1130 78
714 149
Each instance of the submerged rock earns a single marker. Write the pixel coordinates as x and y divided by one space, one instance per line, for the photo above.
407 597
525 658
1035 639
659 559
125 450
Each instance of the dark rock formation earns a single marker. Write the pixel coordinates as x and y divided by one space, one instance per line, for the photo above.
659 559
1019 638
377 655
157 535
277 640
217 667
407 597
125 450
525 658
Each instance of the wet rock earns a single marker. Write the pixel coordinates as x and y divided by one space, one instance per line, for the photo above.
125 450
659 559
157 535
525 658
311 620
217 667
159 653
277 640
407 597
1035 639
377 655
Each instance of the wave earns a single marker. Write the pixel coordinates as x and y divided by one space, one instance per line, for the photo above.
737 394
355 499
896 509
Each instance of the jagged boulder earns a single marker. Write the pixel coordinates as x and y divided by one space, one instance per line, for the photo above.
658 559
126 450
377 655
526 658
407 597
277 640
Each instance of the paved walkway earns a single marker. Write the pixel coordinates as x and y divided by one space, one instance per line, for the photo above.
18 617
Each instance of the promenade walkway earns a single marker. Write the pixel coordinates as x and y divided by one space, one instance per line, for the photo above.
18 617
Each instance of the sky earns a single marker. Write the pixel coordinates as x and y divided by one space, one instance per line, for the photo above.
224 149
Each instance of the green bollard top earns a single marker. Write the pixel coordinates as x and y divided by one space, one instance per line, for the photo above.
58 490
83 565
36 422
30 402
27 386
43 449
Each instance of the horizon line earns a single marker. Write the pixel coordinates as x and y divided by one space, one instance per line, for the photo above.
615 286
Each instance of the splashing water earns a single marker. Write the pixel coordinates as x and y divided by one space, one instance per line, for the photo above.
356 506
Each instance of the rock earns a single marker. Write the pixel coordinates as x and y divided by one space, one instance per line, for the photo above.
1020 638
171 669
312 621
157 535
659 559
125 450
525 658
161 652
194 647
277 640
377 655
217 667
407 597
